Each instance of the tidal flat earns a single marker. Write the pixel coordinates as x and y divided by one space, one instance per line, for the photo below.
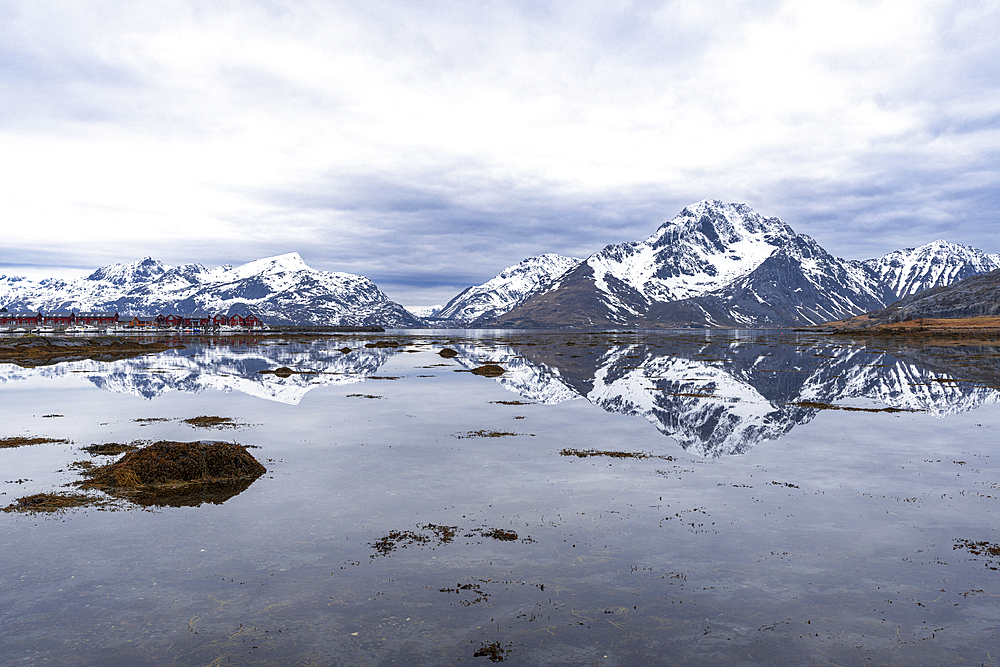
664 498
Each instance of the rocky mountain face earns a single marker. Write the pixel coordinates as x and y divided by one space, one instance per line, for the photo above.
937 264
279 290
719 264
978 296
499 295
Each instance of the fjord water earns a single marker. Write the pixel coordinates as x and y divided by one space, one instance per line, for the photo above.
416 513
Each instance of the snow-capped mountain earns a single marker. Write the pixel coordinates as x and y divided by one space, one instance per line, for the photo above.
936 264
279 290
718 264
505 291
425 311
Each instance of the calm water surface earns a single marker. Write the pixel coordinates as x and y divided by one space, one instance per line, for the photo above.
413 513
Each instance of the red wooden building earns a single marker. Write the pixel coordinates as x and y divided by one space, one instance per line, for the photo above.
20 318
196 320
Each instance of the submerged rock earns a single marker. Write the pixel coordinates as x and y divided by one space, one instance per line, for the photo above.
489 370
178 473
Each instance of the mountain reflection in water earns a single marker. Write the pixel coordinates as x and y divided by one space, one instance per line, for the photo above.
715 395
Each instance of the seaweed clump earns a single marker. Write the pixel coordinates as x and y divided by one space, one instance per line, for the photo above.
499 534
50 502
492 651
489 370
483 433
991 551
401 539
111 448
282 372
21 441
382 344
816 405
584 453
206 421
178 473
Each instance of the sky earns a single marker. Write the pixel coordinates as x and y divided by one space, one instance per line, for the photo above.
428 145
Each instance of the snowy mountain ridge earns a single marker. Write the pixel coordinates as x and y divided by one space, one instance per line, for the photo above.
506 290
936 264
280 290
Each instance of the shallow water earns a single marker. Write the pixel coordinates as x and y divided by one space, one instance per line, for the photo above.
759 525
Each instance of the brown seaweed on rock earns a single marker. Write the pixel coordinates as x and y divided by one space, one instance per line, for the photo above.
51 502
489 370
178 473
21 441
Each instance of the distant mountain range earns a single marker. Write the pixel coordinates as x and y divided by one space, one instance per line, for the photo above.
725 265
279 290
713 265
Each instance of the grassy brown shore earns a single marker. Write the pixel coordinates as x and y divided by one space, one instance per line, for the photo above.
960 330
30 351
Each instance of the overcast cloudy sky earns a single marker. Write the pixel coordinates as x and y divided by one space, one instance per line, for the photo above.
427 145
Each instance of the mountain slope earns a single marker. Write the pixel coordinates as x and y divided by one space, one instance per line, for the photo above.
280 290
505 291
978 296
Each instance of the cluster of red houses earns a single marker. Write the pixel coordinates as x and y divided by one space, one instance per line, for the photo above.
68 318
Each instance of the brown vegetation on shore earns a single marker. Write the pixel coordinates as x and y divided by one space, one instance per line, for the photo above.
30 351
984 329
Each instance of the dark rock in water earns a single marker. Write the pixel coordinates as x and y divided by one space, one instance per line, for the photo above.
282 372
207 421
109 449
179 473
448 353
382 343
489 370
344 350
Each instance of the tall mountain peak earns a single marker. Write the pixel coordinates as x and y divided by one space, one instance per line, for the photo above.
141 270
